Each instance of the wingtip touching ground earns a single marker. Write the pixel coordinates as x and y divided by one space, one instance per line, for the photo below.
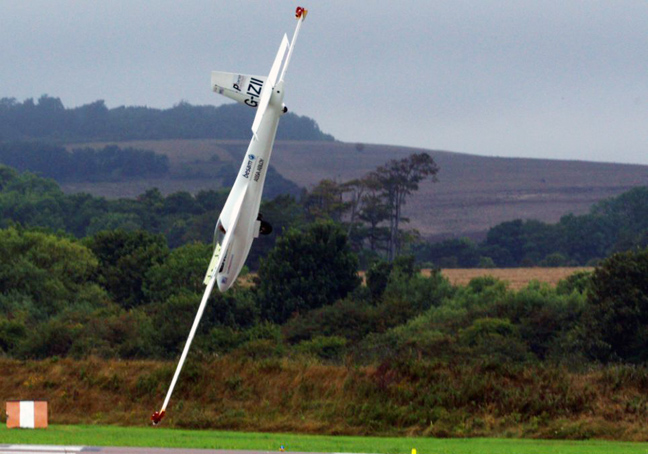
157 417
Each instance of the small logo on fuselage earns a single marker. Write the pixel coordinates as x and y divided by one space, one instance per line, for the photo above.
248 166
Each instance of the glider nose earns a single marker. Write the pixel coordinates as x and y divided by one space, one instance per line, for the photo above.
224 283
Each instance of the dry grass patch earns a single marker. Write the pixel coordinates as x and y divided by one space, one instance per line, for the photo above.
517 278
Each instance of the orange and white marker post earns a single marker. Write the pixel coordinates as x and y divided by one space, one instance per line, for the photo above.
26 414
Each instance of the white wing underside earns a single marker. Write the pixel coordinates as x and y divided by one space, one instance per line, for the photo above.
269 85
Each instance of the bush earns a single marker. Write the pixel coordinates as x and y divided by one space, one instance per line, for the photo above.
224 339
306 270
378 277
330 348
346 319
617 311
494 338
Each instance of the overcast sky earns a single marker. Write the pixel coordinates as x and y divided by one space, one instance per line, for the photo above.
546 79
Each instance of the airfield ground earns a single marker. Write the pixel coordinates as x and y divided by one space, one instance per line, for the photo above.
264 442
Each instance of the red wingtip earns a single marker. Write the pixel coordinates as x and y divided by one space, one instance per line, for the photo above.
299 11
157 417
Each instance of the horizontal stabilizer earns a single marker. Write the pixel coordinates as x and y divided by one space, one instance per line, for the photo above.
241 88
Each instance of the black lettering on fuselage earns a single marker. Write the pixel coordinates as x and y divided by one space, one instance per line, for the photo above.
257 174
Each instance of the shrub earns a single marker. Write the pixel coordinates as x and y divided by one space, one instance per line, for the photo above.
325 347
494 338
306 270
617 311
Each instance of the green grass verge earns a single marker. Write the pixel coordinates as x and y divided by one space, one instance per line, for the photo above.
162 437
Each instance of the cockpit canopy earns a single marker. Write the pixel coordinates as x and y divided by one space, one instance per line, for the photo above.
219 233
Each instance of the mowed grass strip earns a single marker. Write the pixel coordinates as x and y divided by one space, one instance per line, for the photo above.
206 439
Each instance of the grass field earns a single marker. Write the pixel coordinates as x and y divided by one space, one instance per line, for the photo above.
161 437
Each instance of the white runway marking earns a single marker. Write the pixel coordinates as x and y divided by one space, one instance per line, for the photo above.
38 449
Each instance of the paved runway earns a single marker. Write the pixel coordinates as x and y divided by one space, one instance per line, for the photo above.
52 449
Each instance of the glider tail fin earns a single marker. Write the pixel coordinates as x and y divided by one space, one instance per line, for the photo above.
241 88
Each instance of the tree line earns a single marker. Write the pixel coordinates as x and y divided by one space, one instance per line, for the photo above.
48 119
370 208
85 276
365 207
127 295
83 164
612 225
30 200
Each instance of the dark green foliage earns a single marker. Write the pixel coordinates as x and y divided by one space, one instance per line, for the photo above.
182 270
354 319
30 200
458 253
616 224
49 119
330 348
481 320
124 293
306 270
545 318
346 318
47 272
526 243
628 213
380 272
224 339
282 212
577 282
86 164
172 320
182 218
618 307
494 338
53 338
11 333
124 260
378 277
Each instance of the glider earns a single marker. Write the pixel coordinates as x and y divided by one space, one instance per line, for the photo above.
240 222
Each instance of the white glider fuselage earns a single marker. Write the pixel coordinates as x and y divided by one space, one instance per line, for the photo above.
239 216
239 222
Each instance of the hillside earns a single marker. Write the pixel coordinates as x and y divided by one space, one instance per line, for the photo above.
49 120
473 193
